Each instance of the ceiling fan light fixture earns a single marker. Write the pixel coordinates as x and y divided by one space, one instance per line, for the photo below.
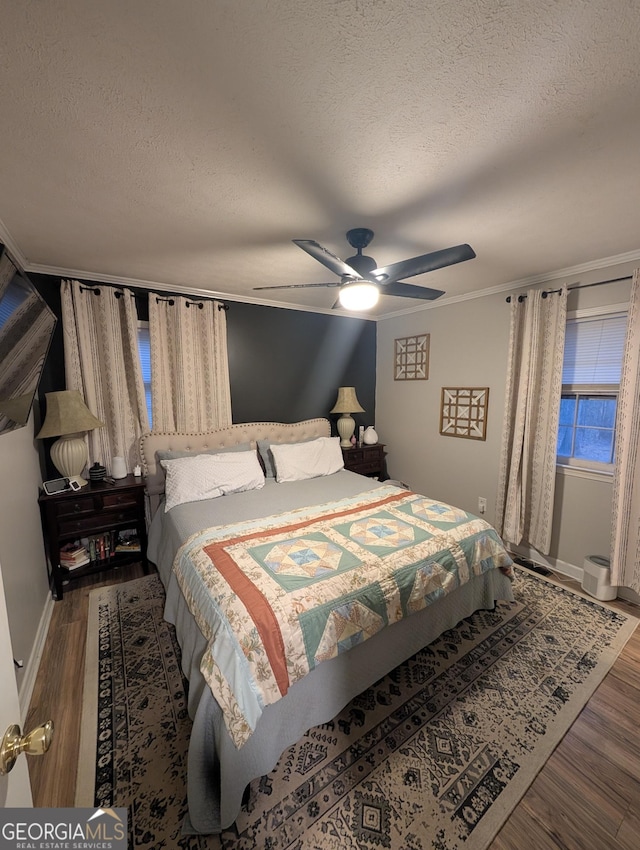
360 275
360 295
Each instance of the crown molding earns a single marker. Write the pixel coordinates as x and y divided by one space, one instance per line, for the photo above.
12 246
547 277
155 286
571 271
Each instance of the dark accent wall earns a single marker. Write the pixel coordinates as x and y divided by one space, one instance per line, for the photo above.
285 365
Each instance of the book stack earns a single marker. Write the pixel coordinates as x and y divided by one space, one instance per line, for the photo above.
73 555
102 547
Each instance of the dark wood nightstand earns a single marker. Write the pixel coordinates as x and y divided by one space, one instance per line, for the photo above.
366 460
98 512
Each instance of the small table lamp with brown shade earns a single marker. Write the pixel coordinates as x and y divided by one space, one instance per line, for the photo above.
346 404
68 417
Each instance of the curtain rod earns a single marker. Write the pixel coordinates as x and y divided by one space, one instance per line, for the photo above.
576 286
142 292
199 303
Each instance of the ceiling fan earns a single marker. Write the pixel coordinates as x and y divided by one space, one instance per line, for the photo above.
362 281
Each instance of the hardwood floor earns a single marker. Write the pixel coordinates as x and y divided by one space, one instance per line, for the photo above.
587 796
57 694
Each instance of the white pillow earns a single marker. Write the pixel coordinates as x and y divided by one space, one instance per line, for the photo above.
297 461
192 479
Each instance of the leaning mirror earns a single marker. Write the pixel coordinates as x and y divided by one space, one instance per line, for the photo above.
26 327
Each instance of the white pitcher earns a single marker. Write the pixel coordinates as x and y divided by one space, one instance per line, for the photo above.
370 437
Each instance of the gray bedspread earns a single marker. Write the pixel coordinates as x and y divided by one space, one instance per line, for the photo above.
169 530
218 772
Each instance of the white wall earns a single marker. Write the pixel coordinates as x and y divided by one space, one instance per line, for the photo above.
468 347
21 546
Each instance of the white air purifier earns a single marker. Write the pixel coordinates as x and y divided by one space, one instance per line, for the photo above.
596 578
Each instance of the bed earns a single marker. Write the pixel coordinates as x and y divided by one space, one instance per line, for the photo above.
205 549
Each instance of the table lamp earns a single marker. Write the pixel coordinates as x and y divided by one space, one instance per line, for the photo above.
68 417
346 404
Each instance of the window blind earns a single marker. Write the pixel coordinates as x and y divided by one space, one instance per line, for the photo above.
144 350
593 350
144 347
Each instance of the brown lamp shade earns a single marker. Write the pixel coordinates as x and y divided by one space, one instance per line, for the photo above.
347 401
67 414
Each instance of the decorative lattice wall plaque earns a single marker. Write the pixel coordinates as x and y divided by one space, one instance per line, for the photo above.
412 358
463 412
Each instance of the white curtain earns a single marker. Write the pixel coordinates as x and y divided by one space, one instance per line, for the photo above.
526 482
625 540
189 364
102 362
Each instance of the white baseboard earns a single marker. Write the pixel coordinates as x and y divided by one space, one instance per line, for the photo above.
566 569
629 595
555 564
31 670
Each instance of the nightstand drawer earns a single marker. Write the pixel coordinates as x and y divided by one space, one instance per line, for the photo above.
366 467
119 500
97 522
75 507
358 455
95 503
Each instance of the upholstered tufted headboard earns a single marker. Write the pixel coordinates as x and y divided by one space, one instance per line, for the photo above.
250 432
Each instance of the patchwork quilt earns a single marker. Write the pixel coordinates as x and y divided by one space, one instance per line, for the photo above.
275 597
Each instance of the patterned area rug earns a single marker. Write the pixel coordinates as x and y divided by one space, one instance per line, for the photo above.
436 754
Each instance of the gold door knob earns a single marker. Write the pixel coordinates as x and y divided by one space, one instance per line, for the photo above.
35 743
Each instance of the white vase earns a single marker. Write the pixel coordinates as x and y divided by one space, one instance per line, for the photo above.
370 437
118 468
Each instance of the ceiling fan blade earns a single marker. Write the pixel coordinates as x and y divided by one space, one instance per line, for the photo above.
324 256
424 263
299 285
408 290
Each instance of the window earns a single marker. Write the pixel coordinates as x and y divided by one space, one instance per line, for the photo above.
590 378
144 350
587 426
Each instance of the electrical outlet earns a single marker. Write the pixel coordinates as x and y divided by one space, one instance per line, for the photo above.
482 504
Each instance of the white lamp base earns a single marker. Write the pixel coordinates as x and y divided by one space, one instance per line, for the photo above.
69 454
346 426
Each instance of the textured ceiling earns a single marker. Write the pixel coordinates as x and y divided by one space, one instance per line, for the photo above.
185 143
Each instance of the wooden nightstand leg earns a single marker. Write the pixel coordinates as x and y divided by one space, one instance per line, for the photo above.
56 590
